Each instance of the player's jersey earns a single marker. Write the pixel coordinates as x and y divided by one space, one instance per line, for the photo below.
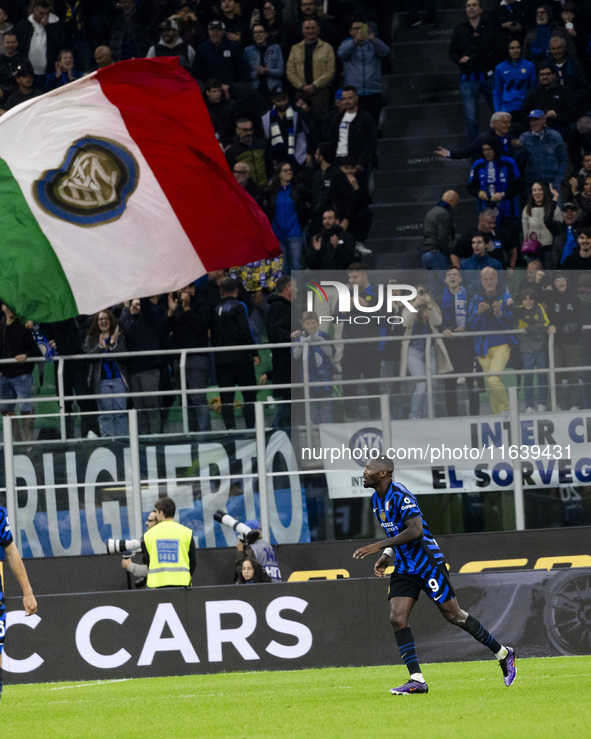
5 535
398 506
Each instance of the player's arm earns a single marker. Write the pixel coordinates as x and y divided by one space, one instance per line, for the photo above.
16 565
413 530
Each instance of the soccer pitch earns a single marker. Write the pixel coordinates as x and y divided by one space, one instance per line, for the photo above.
550 698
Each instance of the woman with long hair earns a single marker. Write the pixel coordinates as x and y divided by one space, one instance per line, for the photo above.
108 375
288 212
251 571
542 205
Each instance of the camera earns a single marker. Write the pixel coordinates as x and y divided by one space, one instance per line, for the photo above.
249 536
123 546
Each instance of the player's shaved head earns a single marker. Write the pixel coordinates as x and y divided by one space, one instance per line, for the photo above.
381 464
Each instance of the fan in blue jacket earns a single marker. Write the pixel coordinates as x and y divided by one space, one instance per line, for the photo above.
513 78
496 181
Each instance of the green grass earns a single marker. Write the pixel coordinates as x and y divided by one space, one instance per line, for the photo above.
550 698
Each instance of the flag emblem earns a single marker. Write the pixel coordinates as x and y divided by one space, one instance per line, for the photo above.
93 184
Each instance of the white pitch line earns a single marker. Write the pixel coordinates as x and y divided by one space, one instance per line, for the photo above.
95 682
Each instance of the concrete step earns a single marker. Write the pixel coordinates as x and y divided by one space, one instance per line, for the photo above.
398 219
394 155
418 95
448 19
425 55
423 193
396 253
447 171
405 147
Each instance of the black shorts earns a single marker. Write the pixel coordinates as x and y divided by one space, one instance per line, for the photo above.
434 581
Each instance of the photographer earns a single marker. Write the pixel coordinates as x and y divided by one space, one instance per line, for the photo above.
252 546
137 570
170 549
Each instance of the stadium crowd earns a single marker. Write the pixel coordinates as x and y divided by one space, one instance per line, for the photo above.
294 92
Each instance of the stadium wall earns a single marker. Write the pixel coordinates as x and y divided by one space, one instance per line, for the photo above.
143 633
509 550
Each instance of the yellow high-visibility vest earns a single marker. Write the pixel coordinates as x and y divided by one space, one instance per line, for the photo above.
168 545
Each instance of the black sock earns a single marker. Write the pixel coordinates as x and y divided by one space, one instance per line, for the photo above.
477 630
408 652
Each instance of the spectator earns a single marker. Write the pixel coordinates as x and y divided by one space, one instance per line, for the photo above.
16 381
251 572
129 34
513 78
10 61
454 314
273 21
438 239
564 233
362 55
533 347
308 11
170 44
570 75
279 331
25 86
288 212
563 313
320 367
582 198
549 97
253 151
502 128
84 29
496 182
472 266
580 259
108 376
232 20
40 37
362 216
265 62
103 57
537 210
502 243
491 309
585 170
545 153
311 68
514 17
286 131
354 134
220 58
579 141
476 47
330 189
64 71
220 112
536 46
5 27
413 361
241 172
142 323
186 326
333 248
230 327
361 361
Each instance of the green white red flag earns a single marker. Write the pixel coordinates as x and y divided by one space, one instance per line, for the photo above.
114 187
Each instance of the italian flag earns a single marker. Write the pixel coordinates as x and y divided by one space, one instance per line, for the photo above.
114 187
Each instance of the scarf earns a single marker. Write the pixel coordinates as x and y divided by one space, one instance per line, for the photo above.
454 307
277 143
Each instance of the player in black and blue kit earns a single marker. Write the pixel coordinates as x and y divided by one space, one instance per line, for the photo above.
419 564
16 565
